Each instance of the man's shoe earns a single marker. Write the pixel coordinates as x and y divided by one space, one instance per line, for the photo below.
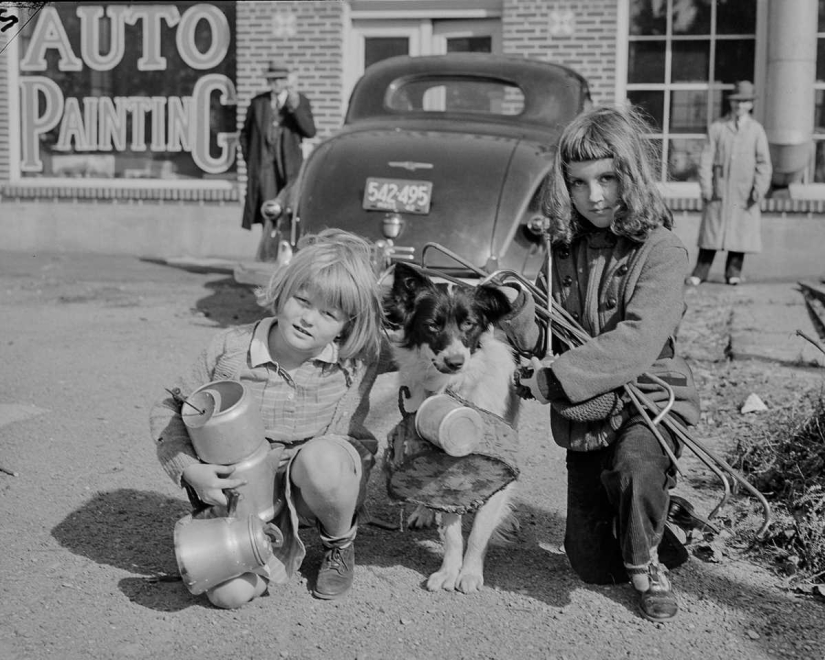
682 514
734 281
657 602
693 281
336 572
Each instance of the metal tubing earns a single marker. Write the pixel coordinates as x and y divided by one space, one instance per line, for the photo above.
640 408
671 397
686 440
548 312
710 465
695 445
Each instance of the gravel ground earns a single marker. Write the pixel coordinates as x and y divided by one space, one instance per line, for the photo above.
87 565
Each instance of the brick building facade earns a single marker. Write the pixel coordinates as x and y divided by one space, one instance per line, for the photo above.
93 205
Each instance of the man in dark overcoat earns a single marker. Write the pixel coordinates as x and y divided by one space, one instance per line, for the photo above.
276 123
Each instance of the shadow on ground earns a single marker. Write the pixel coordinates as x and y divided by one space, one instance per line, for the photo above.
132 531
230 303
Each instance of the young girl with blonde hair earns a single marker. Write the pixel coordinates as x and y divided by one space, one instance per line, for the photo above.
310 367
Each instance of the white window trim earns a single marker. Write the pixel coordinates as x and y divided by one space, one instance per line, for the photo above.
681 188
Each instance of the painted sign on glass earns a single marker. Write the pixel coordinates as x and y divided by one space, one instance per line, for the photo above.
117 90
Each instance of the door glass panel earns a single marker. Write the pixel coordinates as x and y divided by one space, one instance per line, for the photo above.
735 17
734 60
820 60
648 18
646 62
470 45
691 61
687 111
656 146
691 17
819 111
653 104
716 104
683 159
819 162
380 48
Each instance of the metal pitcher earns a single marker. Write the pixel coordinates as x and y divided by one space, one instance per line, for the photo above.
210 551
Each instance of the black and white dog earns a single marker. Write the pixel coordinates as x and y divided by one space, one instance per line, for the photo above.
443 339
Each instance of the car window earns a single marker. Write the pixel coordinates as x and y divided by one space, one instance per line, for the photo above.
455 94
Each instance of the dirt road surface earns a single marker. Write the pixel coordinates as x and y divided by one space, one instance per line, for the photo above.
86 554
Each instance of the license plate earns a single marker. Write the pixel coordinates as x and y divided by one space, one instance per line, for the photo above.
401 195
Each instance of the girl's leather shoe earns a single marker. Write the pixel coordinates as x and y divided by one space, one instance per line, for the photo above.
336 572
657 602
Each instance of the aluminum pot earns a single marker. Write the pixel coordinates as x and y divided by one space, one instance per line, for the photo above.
448 424
210 551
224 422
257 497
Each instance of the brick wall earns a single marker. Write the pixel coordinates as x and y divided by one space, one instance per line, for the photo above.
565 32
4 105
309 36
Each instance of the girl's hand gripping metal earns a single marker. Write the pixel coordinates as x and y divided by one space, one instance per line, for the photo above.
527 380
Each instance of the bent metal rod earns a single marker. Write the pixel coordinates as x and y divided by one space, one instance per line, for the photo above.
552 317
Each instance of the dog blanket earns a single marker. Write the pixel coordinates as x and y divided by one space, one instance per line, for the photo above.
421 473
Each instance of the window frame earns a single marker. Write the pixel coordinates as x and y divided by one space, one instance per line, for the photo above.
711 87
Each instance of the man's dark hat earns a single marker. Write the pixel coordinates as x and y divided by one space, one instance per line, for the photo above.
276 69
743 91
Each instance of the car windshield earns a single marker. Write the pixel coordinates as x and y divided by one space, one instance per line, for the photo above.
482 96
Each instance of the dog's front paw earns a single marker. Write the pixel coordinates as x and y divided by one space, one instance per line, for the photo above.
469 582
421 518
444 579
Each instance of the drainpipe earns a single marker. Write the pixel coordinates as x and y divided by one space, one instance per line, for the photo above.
789 93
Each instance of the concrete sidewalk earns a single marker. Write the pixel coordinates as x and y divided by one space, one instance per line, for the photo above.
765 321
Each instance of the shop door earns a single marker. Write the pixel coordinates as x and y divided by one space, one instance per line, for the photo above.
372 41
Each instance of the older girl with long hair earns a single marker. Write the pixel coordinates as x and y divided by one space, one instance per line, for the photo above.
619 270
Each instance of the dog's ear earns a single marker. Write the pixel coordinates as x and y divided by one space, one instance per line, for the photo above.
492 302
409 280
400 294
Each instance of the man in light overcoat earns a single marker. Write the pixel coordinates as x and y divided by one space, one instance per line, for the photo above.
734 176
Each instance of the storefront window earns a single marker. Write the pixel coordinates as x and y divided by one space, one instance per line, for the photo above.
683 55
128 91
818 174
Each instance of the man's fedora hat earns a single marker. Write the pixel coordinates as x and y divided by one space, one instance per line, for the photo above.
743 91
276 69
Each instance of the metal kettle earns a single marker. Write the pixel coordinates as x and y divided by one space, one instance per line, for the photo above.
210 551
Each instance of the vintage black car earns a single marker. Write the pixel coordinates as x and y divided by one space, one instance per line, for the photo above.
448 149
